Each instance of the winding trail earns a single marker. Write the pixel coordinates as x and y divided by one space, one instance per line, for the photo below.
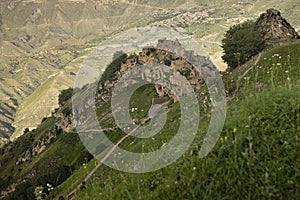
242 76
100 163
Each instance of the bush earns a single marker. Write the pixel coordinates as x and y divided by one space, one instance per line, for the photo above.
55 176
67 111
26 130
64 96
24 191
113 67
2 182
241 42
168 62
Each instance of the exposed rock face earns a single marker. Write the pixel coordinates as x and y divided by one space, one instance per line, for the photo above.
63 124
159 56
273 25
41 145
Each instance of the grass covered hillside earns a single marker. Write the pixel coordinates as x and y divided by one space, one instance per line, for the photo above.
257 156
46 155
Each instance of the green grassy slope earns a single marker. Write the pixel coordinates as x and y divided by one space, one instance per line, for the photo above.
41 102
59 154
257 156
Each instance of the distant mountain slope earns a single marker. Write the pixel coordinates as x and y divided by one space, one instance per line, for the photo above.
40 38
22 75
41 34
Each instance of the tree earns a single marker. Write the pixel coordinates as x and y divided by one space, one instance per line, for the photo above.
2 183
26 130
109 73
24 191
241 42
64 96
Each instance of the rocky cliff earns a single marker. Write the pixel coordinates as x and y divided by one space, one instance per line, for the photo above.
159 56
274 26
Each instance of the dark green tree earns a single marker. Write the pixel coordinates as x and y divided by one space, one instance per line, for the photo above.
24 191
2 183
65 95
109 73
241 42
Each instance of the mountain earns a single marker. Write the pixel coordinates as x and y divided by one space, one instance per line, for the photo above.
43 42
261 125
51 162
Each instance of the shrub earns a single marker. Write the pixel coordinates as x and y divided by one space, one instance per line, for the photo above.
24 191
241 42
26 130
67 111
168 62
113 67
64 96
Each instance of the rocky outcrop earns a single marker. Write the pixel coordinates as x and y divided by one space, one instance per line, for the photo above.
64 124
40 146
273 26
157 56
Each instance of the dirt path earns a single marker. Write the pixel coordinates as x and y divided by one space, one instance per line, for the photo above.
258 58
242 76
152 112
100 163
